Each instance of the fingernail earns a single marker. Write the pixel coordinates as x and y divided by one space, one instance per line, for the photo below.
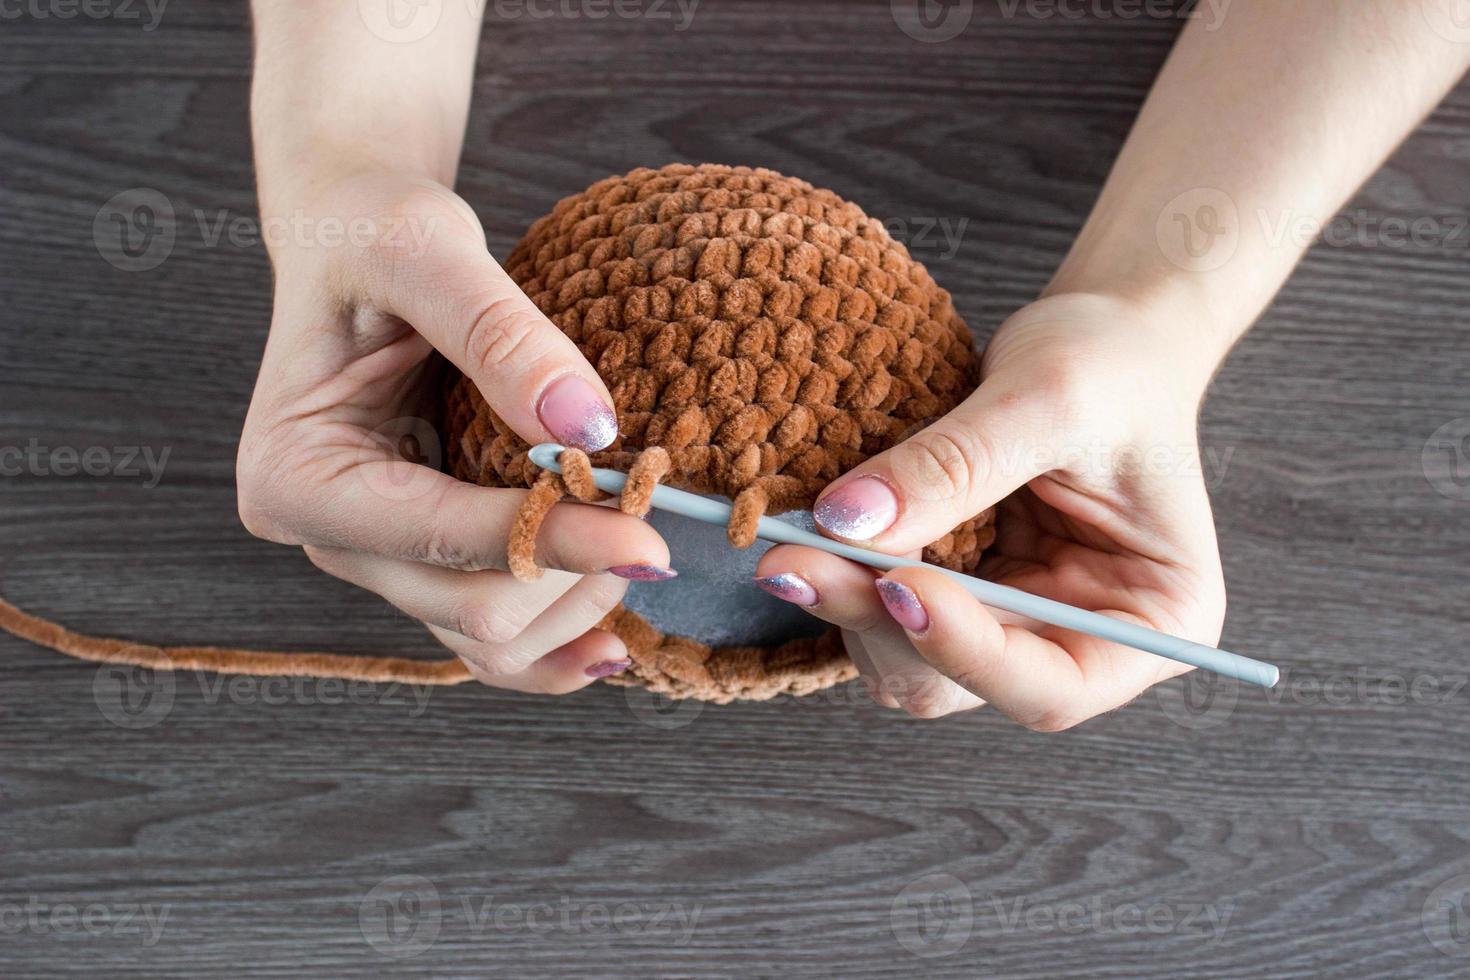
573 411
860 511
643 573
789 586
608 667
903 605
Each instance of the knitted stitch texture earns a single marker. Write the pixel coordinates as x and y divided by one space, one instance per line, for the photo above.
769 336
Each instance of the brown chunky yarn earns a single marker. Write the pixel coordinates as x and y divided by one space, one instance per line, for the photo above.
768 335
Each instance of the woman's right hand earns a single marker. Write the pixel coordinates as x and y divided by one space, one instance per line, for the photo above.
373 274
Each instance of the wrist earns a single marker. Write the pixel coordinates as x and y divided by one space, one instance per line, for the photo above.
291 182
1138 360
359 209
1175 316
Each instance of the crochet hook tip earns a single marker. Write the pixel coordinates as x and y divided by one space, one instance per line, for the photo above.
546 455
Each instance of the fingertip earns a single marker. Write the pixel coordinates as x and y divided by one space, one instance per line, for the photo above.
593 656
939 613
779 560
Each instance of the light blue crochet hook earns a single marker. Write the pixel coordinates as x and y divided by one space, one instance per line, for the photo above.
1004 597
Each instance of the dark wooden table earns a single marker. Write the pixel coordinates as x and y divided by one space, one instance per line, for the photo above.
170 827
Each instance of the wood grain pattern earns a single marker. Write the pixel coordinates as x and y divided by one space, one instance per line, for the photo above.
579 836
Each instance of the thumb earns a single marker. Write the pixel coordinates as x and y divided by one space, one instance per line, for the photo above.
996 441
531 374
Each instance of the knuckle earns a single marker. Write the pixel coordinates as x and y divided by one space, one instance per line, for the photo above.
505 333
927 707
446 550
489 669
487 623
256 502
596 601
925 698
869 618
939 463
324 559
253 516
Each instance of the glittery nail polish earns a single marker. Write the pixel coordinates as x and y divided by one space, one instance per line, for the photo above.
607 668
643 573
859 511
790 587
903 605
573 412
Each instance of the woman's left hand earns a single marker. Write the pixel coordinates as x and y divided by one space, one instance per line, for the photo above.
1083 431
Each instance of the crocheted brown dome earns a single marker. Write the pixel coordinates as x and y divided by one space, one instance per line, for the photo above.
769 335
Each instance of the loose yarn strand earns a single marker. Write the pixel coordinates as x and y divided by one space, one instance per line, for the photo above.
253 663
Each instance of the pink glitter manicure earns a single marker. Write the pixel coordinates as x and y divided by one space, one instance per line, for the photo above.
573 412
608 667
859 511
643 573
790 587
903 605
